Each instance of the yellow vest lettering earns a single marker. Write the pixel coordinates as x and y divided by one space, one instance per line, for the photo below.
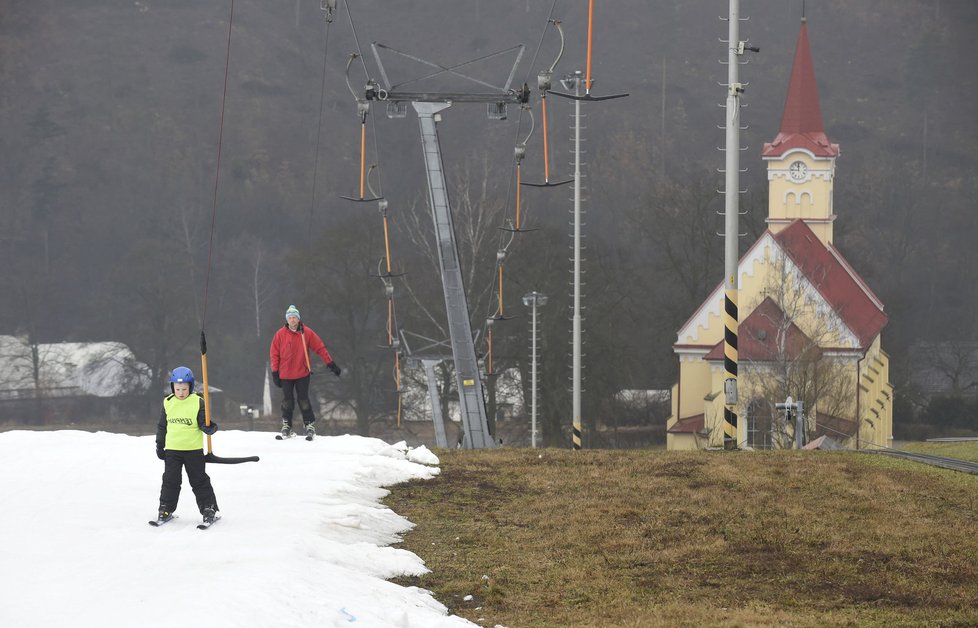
182 431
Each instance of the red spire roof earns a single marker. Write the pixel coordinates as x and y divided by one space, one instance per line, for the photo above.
801 123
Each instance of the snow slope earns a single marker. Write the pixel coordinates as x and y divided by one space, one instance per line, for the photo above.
303 541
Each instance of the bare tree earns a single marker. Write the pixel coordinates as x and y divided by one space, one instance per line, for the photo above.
347 309
478 210
795 327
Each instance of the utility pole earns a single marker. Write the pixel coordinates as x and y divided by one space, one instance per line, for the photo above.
574 81
532 300
735 49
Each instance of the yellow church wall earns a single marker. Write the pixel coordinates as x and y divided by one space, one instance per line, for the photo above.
751 282
679 442
812 193
875 400
694 384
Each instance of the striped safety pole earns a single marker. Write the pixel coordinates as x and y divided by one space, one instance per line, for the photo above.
731 228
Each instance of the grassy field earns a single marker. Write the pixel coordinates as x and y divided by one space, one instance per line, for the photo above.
965 450
647 538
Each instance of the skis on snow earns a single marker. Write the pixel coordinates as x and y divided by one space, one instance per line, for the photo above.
309 436
200 526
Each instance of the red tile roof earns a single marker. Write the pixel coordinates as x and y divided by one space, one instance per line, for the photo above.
757 337
834 427
801 124
688 425
834 278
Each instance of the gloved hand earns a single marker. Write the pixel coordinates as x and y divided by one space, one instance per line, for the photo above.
159 453
276 379
333 367
209 429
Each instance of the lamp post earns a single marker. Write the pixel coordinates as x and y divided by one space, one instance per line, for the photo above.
532 300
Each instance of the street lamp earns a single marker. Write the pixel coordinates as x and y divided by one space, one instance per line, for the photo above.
533 299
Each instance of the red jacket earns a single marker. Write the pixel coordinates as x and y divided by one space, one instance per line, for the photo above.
289 352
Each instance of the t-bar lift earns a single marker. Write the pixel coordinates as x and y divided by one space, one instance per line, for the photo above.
429 106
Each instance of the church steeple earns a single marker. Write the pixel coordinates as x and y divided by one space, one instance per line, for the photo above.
801 159
801 123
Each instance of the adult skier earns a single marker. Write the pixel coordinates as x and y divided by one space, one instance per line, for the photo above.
291 369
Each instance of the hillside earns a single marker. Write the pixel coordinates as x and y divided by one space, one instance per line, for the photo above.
111 115
562 538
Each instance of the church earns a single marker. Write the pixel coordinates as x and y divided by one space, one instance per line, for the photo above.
809 325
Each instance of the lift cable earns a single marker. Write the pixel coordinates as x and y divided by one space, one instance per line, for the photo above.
544 81
393 339
210 457
543 34
516 224
328 6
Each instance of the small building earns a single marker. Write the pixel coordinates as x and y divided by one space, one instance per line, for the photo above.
66 381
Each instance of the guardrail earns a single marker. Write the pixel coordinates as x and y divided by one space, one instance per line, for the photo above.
954 464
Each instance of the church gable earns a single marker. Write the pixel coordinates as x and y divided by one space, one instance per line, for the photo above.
705 324
768 335
828 272
756 272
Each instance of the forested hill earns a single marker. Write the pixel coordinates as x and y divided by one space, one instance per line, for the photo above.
110 114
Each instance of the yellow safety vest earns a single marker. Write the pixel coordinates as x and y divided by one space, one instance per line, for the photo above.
182 431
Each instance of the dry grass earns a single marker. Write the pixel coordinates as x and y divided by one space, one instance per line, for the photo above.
639 538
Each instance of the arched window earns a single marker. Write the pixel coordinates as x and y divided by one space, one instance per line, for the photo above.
759 424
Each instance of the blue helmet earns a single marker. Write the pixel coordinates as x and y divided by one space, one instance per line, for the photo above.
182 375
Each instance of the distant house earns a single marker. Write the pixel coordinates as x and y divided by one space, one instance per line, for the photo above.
62 373
416 396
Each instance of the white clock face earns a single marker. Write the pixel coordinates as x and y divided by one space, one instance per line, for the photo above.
797 171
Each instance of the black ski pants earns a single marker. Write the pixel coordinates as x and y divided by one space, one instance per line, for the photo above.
174 463
300 388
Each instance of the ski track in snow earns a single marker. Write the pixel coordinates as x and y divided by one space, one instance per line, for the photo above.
304 540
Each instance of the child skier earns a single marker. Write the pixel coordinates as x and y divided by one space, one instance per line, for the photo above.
179 443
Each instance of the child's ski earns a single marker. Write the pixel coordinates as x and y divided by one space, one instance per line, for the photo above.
205 525
158 522
280 437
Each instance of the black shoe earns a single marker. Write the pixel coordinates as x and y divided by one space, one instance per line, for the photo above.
209 515
164 515
310 431
287 430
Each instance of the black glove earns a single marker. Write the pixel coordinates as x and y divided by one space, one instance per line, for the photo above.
276 379
159 452
333 367
209 429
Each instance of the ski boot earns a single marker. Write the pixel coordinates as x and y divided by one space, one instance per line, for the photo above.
286 431
210 517
162 517
310 431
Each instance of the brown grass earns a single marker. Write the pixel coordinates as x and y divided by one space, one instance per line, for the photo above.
638 538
